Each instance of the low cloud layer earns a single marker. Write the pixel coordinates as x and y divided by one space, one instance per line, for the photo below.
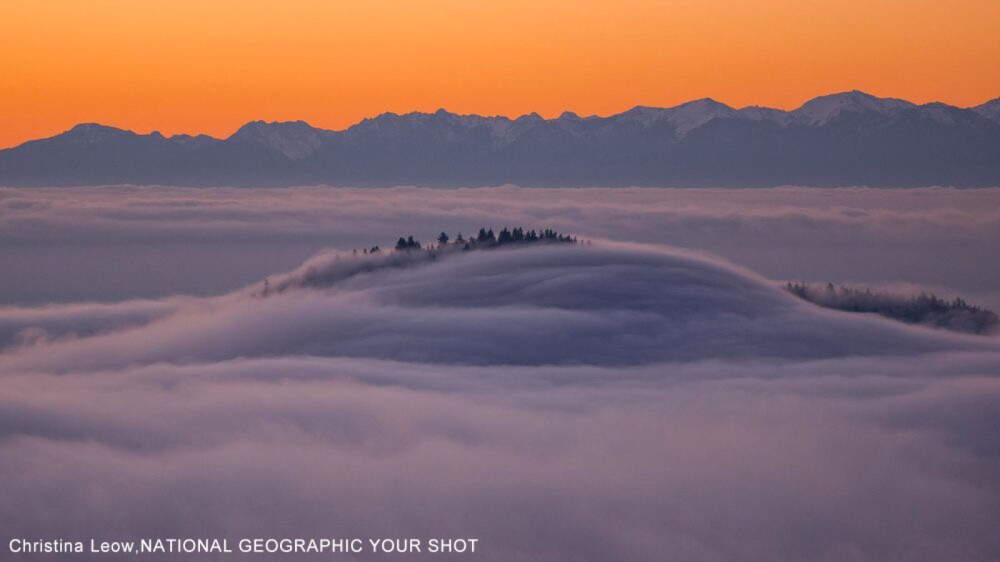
612 402
115 242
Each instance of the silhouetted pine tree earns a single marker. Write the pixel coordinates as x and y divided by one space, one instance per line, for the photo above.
924 308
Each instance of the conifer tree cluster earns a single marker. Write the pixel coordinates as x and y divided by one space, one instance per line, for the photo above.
517 235
928 309
407 243
485 238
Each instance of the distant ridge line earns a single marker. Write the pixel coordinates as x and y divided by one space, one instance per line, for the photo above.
848 138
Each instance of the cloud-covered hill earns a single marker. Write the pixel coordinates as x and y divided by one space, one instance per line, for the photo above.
151 242
925 309
611 402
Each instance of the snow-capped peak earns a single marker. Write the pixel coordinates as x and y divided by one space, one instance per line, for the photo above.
989 110
294 139
760 113
694 114
644 115
819 111
684 118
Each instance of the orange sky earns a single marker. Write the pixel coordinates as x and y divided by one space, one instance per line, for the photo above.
211 65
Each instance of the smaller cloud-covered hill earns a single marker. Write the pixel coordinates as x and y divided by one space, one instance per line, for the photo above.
925 309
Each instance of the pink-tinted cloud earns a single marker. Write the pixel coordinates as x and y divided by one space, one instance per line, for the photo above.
612 402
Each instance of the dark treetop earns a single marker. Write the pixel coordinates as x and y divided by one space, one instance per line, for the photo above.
927 309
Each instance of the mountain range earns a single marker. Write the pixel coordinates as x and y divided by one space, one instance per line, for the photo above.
849 138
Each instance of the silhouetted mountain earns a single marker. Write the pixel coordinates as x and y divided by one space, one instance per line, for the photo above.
850 138
295 140
821 110
989 110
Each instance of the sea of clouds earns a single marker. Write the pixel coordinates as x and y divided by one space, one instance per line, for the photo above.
611 401
119 242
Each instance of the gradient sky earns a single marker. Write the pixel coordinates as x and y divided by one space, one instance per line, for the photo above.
199 66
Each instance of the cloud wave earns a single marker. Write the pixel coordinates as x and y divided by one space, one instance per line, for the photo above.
613 402
148 242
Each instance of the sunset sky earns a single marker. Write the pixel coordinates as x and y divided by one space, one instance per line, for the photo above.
198 66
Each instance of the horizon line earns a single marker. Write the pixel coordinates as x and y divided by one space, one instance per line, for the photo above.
499 116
